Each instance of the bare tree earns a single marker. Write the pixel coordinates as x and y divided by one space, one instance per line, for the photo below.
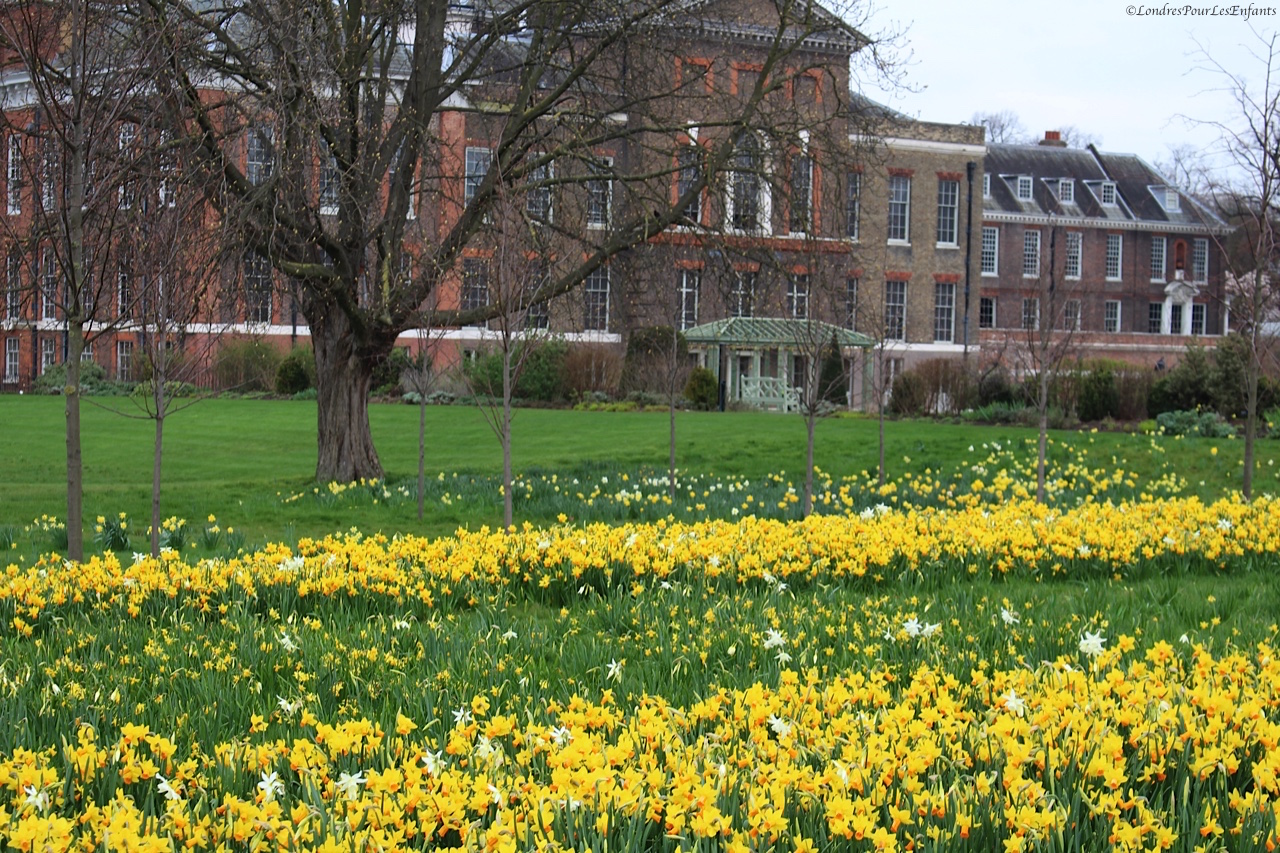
77 98
1050 320
1249 197
520 273
366 101
164 265
1003 127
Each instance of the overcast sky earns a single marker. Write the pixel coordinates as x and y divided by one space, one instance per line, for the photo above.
1125 78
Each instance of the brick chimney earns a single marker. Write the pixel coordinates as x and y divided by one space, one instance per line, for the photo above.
1053 139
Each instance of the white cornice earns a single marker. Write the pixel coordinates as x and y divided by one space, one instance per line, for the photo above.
904 144
1004 217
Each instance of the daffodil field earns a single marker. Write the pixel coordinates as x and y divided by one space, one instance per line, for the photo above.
938 663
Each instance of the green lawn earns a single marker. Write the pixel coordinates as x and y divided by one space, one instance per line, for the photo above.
233 458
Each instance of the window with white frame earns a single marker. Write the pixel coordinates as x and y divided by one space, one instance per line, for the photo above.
166 192
944 312
899 209
124 360
801 194
48 285
851 303
86 353
330 184
798 296
852 204
1114 246
475 168
13 286
124 294
260 155
600 194
1023 187
538 203
948 212
1030 313
1197 318
742 298
13 188
12 359
688 176
1030 254
1111 315
986 186
990 250
1066 190
895 310
595 293
49 177
690 285
748 191
1072 262
127 139
986 312
1107 192
475 284
1175 318
1071 315
1200 259
1172 201
48 354
1155 318
1157 258
257 288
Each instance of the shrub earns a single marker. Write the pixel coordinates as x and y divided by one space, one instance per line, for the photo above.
994 387
386 375
1203 423
1133 387
910 394
833 379
947 384
1097 394
702 391
93 381
297 372
544 373
172 389
591 368
1188 386
999 412
246 365
647 364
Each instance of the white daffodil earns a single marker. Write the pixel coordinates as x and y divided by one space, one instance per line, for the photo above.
462 716
1014 703
912 627
615 670
780 727
270 786
348 785
774 639
434 762
287 643
1092 644
1009 617
165 787
38 799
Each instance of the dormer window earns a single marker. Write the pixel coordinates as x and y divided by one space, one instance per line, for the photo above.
1108 193
1024 188
1067 190
1172 201
986 186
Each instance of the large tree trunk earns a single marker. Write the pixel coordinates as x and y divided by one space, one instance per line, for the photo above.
75 463
344 444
